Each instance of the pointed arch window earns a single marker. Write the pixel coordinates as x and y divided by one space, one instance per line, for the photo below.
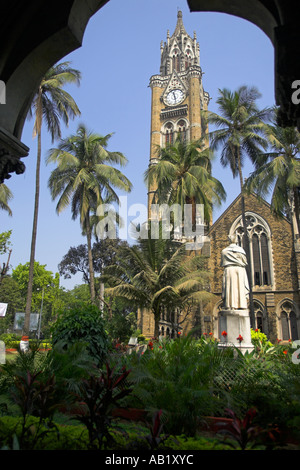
169 134
289 321
176 60
188 58
260 318
182 130
260 247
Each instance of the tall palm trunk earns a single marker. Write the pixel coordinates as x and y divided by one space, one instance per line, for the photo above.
247 245
90 257
34 235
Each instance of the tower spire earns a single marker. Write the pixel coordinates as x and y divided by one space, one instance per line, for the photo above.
180 51
180 29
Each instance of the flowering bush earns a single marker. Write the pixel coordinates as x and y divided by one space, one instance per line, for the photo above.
259 339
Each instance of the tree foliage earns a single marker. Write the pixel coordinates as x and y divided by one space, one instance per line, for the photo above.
5 196
104 253
45 285
278 171
5 242
85 177
183 173
82 324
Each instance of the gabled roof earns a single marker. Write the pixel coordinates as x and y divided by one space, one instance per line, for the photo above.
234 202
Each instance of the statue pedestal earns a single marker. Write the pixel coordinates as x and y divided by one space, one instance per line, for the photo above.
236 323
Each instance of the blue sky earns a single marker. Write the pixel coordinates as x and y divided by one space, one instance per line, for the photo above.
120 52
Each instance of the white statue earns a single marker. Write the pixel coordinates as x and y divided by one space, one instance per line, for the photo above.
235 288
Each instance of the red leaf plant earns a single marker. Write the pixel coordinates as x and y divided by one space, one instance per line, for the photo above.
154 439
99 395
243 431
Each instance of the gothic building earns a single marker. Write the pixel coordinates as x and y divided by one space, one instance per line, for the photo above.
177 100
177 94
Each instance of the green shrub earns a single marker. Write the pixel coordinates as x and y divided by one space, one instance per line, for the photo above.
85 325
190 379
177 376
11 340
74 437
55 438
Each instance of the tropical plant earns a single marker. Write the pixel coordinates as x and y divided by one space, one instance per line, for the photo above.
34 397
159 274
278 172
50 104
155 438
41 384
244 432
5 247
5 196
85 325
178 377
86 178
240 132
183 175
99 395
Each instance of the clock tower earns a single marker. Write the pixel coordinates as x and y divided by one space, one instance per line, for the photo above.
178 96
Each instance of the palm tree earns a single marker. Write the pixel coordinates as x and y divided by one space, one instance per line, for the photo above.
5 196
278 171
183 174
241 132
85 178
50 104
158 274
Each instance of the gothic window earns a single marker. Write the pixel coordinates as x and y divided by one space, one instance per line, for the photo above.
176 60
182 130
259 316
169 134
260 247
188 58
289 321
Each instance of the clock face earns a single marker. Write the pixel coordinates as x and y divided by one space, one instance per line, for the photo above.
174 97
